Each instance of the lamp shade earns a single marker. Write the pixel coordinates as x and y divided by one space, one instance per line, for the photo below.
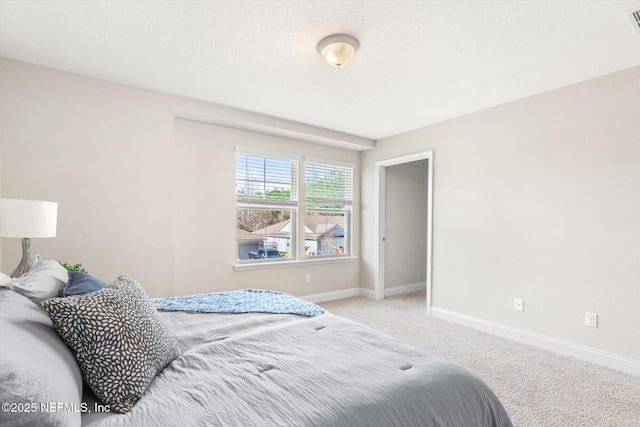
28 218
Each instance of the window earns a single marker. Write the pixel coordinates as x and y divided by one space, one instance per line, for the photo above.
266 200
268 205
328 200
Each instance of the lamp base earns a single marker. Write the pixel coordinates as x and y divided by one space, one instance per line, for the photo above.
25 263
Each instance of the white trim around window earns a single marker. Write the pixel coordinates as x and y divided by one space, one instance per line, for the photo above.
301 209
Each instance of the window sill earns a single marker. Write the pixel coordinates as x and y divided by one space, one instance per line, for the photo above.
288 264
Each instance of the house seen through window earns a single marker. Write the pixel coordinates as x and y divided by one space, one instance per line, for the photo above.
268 208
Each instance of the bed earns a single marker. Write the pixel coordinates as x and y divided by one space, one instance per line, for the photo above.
245 369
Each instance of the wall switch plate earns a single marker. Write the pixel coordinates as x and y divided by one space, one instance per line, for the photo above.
518 304
307 279
591 320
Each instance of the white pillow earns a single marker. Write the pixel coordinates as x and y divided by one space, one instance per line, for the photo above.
45 280
4 279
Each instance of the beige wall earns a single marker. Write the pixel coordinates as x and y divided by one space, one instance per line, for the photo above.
536 199
140 192
104 152
205 215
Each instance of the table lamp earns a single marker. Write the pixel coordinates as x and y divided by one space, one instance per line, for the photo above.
27 219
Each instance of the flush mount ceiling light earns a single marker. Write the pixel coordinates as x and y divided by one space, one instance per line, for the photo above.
338 49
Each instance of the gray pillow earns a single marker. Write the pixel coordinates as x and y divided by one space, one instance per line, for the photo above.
118 339
45 279
36 368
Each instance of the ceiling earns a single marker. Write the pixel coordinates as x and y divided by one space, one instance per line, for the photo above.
419 62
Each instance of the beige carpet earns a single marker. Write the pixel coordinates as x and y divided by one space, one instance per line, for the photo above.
537 387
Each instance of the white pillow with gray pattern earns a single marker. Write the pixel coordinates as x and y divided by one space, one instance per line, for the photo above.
117 338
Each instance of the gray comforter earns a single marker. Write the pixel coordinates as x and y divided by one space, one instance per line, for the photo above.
287 370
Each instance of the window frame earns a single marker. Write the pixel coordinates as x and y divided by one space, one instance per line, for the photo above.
346 201
298 207
265 204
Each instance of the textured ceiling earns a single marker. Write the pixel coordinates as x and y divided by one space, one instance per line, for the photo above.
419 62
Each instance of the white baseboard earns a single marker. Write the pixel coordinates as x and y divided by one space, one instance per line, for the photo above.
368 293
342 293
333 295
592 355
360 292
405 288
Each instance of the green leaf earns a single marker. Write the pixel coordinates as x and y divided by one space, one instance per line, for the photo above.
73 267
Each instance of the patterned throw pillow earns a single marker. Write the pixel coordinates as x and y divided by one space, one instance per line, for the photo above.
118 339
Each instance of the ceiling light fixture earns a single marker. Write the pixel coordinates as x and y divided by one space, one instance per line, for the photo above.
338 49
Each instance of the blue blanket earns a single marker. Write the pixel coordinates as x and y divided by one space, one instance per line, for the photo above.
240 301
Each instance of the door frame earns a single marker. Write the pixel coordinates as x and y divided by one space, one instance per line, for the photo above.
380 192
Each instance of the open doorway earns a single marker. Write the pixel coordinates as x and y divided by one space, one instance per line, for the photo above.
404 225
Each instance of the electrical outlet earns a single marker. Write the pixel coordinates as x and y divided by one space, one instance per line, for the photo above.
518 304
591 320
307 279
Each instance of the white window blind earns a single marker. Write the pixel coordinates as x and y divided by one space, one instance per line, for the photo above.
265 180
328 186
